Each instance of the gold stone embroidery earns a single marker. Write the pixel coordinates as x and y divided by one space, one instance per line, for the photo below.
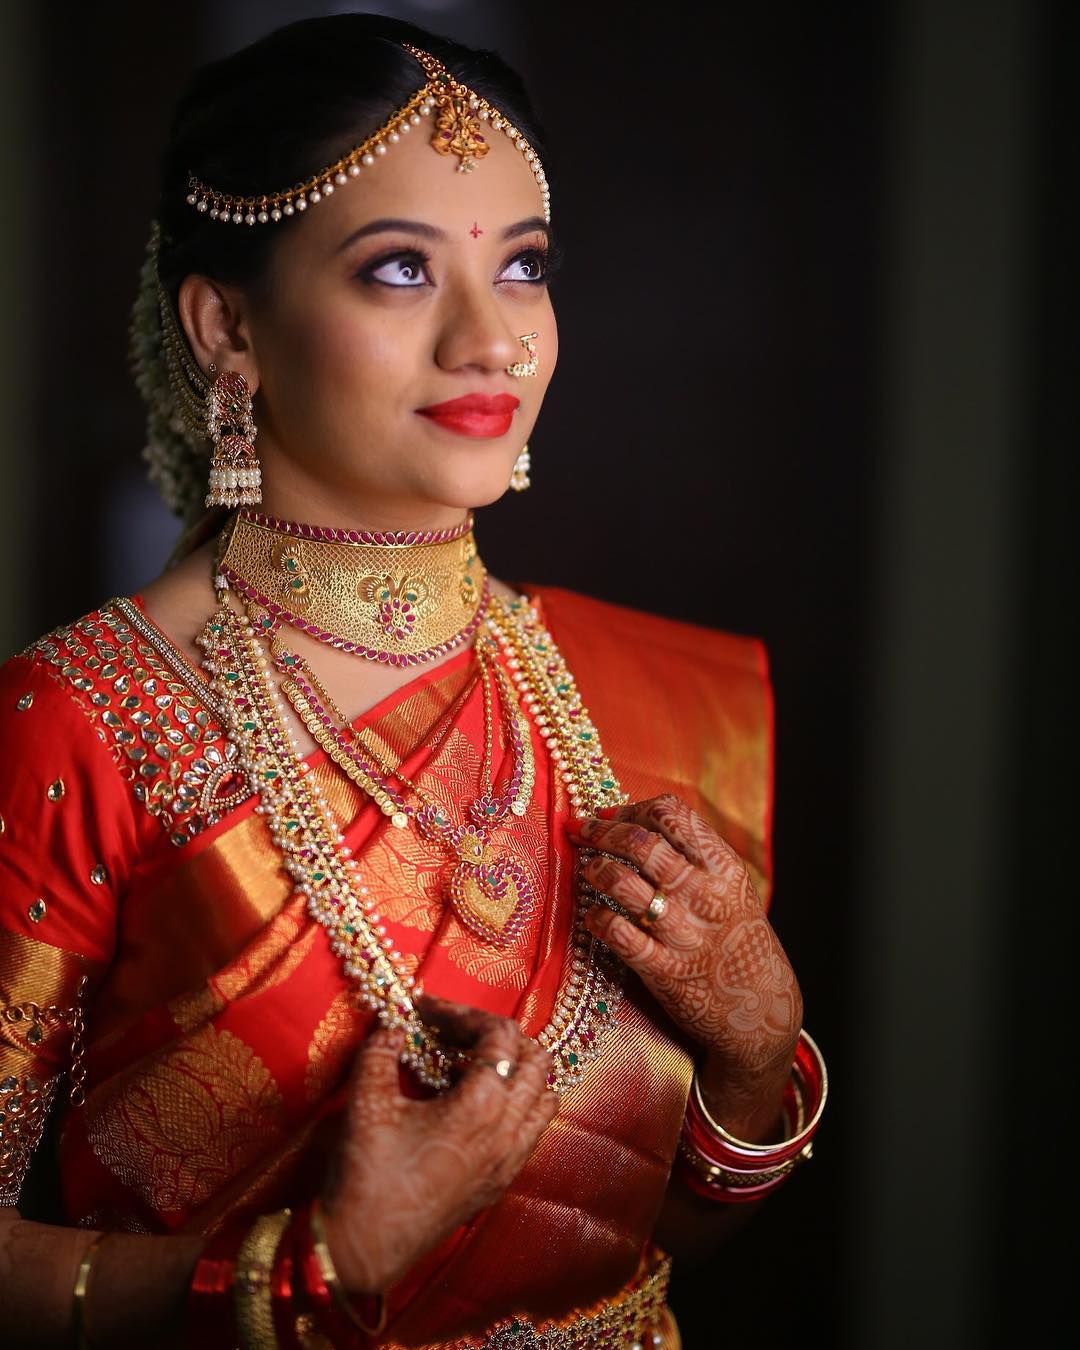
34 1023
154 713
190 1123
24 1109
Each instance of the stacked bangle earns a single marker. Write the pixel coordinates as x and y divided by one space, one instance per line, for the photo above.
210 1295
253 1288
277 1279
728 1169
371 1325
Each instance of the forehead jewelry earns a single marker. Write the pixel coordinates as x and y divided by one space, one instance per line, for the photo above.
523 368
459 119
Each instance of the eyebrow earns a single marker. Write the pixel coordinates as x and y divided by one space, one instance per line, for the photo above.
420 227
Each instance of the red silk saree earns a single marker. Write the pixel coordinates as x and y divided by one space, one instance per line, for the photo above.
219 1024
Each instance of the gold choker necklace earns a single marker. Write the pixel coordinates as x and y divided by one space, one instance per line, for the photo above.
397 597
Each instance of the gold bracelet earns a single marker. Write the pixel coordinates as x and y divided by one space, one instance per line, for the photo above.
321 1249
254 1299
78 1295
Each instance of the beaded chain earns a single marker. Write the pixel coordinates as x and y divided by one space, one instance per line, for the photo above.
456 114
324 872
549 691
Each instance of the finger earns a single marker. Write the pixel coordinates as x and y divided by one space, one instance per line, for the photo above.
648 850
458 1024
632 891
639 950
684 829
376 1071
480 1088
536 1120
527 1085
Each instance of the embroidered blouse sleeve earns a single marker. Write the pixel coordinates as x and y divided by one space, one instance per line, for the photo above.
67 840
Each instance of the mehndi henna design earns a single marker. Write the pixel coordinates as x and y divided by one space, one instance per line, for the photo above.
712 960
465 1146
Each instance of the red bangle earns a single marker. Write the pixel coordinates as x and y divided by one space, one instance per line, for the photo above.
725 1168
210 1304
349 1321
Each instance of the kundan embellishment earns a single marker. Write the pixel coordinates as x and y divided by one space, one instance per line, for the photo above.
460 121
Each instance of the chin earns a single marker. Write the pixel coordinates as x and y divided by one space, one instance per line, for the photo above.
466 491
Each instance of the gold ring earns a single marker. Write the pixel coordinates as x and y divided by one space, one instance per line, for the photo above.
503 1067
656 909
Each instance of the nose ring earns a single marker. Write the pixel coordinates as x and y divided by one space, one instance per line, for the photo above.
523 368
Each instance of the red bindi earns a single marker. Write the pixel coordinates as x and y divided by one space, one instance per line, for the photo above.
475 231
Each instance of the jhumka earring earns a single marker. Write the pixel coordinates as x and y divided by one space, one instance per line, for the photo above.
519 479
523 368
235 475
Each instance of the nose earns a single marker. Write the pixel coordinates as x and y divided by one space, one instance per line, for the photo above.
474 334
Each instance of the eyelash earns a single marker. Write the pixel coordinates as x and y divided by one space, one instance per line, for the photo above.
550 259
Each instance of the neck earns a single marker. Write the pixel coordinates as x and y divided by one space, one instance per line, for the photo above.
318 504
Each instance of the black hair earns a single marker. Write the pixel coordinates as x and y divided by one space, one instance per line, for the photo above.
277 111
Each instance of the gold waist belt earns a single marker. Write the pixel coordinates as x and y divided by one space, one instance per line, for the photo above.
634 1316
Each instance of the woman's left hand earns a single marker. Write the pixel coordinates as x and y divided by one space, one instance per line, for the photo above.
711 959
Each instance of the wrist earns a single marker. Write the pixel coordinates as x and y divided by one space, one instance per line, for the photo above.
354 1272
729 1167
749 1106
362 1310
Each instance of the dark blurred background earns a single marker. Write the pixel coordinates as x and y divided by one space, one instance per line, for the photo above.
817 355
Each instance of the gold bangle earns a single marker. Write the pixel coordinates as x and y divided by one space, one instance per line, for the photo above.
333 1283
716 1175
804 1129
254 1300
78 1294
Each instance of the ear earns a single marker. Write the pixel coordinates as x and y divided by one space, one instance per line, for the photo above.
215 319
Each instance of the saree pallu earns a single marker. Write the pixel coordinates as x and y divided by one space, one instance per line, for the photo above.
221 1027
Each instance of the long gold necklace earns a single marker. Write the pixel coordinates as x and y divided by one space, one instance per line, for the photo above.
302 825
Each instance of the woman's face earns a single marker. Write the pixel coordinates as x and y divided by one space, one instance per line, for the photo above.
408 288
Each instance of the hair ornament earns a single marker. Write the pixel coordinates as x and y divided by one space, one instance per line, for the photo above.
459 118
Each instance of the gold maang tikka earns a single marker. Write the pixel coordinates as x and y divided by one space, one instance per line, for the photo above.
459 120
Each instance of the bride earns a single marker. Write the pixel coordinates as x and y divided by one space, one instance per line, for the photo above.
387 943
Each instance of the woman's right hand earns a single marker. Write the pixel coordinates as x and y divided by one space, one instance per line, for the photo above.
410 1172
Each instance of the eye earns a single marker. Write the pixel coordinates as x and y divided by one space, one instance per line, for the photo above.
399 269
531 264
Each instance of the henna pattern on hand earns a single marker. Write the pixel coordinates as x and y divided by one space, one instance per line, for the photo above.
408 1172
713 960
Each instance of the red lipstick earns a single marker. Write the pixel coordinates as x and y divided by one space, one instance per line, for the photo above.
474 414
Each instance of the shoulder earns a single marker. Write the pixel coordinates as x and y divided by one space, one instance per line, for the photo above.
47 691
638 636
680 708
111 686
